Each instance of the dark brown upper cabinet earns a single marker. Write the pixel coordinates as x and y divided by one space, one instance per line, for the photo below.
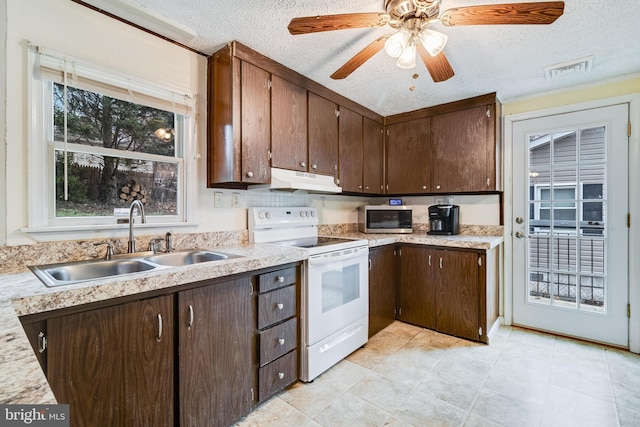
261 114
351 151
323 135
239 122
408 161
288 125
463 150
373 157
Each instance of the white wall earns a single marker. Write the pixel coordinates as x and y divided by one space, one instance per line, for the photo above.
77 31
3 110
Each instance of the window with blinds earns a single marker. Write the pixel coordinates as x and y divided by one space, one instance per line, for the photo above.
108 140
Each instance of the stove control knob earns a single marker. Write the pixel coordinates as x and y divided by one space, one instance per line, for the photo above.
313 214
261 215
268 215
302 214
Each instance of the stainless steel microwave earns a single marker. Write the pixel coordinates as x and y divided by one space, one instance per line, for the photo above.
385 219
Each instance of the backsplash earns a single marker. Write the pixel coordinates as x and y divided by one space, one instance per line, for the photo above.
15 258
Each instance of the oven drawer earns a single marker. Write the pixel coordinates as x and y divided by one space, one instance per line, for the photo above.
279 340
277 279
278 374
276 306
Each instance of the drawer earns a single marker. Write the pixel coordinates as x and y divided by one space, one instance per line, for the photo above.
277 279
277 375
278 340
276 306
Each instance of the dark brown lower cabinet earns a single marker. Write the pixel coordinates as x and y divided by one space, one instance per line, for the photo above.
416 304
216 354
382 288
457 299
454 291
114 366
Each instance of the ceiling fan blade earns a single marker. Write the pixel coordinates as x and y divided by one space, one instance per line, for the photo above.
360 58
511 13
316 24
438 66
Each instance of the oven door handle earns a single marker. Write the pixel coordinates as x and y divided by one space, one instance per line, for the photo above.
328 259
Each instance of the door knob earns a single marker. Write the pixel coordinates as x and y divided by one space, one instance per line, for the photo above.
520 234
519 220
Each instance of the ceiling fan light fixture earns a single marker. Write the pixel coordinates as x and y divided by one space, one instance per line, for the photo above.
395 45
408 57
433 41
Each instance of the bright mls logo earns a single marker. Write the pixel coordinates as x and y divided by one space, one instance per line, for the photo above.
34 415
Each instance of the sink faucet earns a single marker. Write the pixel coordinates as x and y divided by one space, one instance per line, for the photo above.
131 247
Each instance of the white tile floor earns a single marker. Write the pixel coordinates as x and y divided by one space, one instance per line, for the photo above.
409 376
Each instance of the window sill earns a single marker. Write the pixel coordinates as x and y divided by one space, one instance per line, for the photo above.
74 232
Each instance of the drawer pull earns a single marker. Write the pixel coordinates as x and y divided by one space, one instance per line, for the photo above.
190 321
281 341
280 375
281 279
280 306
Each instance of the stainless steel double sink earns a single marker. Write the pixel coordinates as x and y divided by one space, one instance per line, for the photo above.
74 272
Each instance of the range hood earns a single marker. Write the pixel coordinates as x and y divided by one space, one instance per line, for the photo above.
287 180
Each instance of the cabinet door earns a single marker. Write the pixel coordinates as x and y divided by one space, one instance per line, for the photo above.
463 154
351 155
416 303
457 297
323 135
215 341
114 366
382 288
373 157
408 157
288 125
256 124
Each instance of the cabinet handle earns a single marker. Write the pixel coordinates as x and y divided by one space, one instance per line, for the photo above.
280 306
280 375
314 166
424 187
437 187
249 174
440 262
281 279
159 337
303 164
190 321
359 187
42 342
488 182
366 187
369 264
429 260
281 341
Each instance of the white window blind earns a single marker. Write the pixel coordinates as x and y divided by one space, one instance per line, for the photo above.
54 66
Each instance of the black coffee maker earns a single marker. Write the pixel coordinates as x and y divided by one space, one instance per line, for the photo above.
443 219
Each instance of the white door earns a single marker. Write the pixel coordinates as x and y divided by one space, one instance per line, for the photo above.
570 205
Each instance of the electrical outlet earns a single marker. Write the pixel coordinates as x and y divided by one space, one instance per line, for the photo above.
218 199
235 200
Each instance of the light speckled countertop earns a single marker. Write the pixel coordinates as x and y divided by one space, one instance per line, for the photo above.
21 293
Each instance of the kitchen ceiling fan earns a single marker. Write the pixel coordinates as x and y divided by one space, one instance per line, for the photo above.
413 19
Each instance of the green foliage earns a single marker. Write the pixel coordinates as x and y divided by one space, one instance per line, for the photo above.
78 187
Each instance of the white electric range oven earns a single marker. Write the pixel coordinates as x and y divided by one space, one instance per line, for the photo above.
335 288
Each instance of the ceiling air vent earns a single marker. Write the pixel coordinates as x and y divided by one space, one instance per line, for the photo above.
568 69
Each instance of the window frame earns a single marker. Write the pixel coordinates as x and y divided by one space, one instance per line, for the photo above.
41 173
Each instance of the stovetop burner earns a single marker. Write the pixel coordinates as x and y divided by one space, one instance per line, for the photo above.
313 242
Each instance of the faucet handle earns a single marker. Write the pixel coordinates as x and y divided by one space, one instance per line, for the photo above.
153 244
168 243
109 253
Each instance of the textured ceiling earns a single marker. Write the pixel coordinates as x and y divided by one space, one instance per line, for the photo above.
505 59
